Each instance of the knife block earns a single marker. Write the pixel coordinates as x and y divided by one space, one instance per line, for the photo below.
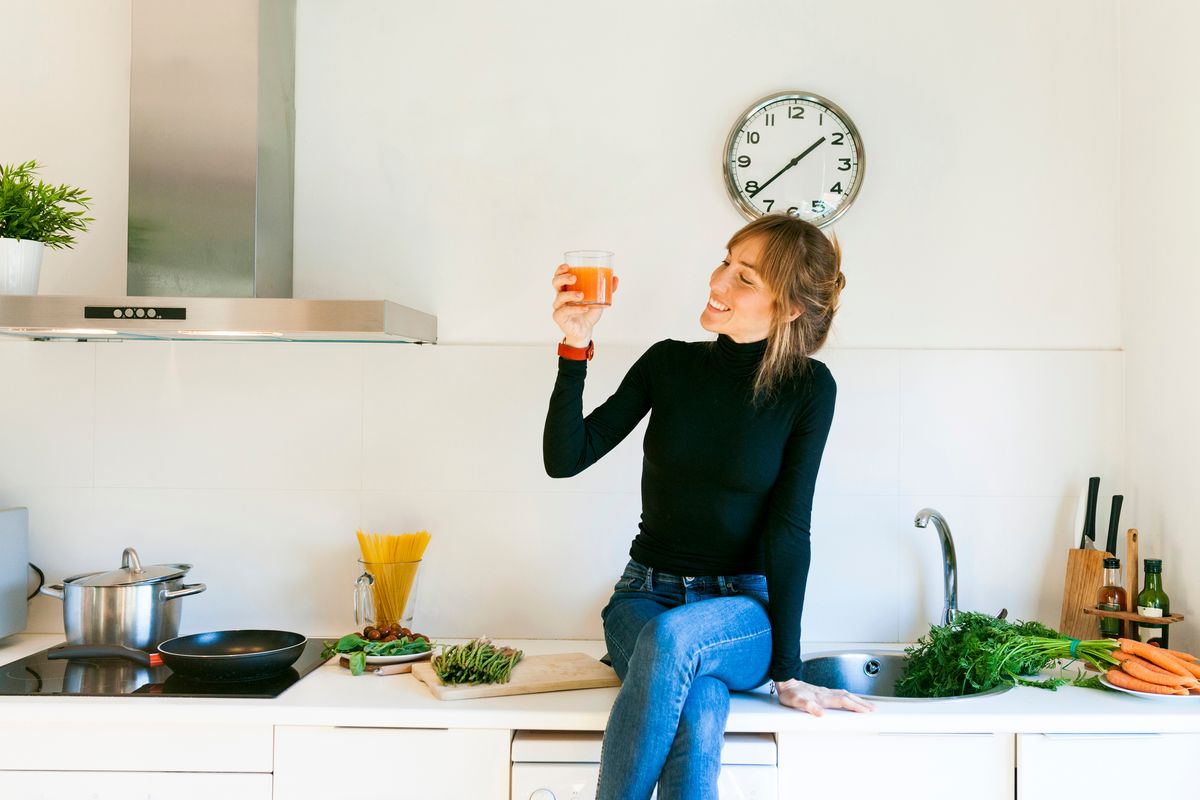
1085 574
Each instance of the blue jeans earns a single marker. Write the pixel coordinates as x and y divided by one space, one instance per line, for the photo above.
679 645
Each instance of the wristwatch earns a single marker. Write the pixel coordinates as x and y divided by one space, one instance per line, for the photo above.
576 353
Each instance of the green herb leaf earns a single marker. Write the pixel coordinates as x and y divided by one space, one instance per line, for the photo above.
403 646
37 211
1085 681
351 642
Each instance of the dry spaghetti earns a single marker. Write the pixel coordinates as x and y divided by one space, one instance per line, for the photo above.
392 562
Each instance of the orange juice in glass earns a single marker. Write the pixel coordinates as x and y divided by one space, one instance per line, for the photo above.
593 273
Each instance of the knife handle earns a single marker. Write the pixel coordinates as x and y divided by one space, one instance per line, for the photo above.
1089 521
1114 521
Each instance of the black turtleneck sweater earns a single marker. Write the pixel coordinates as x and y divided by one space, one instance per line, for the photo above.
727 486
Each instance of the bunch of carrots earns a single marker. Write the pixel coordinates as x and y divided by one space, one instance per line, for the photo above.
1146 668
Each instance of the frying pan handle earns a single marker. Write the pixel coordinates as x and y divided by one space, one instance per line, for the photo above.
191 588
105 651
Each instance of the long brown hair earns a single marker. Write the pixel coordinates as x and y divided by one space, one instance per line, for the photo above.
803 269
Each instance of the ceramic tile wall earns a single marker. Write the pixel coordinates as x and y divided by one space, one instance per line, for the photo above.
256 462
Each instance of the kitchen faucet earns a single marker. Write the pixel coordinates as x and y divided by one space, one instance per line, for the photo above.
949 562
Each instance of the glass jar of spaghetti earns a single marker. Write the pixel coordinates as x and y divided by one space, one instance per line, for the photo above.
385 593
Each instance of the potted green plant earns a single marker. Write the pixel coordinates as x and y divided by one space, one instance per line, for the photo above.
34 215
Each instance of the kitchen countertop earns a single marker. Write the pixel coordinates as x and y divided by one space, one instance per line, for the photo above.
330 696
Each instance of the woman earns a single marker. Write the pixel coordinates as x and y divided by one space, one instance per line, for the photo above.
732 451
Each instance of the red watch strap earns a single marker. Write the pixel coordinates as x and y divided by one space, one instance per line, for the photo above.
576 353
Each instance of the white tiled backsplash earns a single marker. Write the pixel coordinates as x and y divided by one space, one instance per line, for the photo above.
256 462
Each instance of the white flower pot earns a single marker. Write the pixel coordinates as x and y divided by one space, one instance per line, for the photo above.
20 265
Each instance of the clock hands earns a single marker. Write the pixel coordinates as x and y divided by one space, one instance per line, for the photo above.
788 166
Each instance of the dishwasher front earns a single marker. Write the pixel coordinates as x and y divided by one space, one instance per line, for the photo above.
564 765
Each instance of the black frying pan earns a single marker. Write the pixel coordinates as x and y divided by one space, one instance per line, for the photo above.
215 656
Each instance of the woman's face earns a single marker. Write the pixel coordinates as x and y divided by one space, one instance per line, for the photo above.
739 301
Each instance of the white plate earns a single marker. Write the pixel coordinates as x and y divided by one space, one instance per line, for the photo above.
1152 696
393 659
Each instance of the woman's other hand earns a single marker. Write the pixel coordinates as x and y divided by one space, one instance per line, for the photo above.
576 322
813 699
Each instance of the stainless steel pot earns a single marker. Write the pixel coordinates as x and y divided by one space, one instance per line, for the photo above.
134 606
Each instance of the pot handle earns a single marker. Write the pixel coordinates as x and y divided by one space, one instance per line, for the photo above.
191 588
53 590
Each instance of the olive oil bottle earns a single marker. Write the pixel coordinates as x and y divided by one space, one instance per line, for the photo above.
1111 598
1152 601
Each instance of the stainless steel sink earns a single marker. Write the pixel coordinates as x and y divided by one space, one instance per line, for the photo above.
868 674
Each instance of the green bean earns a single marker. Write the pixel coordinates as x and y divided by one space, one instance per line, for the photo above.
476 662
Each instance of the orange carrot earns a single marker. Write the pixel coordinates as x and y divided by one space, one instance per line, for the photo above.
1191 667
1154 655
1161 677
1118 678
1122 656
1182 656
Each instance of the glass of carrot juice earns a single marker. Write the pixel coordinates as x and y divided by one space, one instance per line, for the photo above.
593 273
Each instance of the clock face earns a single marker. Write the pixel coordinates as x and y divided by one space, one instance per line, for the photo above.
794 152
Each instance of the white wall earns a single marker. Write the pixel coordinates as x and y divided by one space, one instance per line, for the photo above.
1160 170
256 462
66 105
447 153
974 353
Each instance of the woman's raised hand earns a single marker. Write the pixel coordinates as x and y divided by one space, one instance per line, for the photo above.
576 322
813 699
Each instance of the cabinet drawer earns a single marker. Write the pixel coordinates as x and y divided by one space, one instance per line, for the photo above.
1058 765
432 764
33 785
897 765
142 747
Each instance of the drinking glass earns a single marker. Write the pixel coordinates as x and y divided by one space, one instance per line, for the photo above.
593 271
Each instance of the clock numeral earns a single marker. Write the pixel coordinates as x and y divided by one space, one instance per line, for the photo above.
795 112
743 161
793 211
751 187
836 188
752 137
768 204
818 206
770 119
845 164
837 138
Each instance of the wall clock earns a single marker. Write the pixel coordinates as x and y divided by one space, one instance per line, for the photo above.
795 152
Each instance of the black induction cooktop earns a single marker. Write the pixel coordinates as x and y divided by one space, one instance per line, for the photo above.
117 677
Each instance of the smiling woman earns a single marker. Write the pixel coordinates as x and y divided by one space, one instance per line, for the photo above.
785 278
711 599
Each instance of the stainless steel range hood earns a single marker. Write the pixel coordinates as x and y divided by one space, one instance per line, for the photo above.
213 318
211 143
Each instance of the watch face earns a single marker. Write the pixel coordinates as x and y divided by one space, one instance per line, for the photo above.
794 152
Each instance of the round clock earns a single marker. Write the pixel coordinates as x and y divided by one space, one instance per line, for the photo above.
794 152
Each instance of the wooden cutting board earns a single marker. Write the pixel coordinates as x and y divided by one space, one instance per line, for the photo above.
532 674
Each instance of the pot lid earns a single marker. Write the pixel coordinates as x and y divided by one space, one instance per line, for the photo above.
131 572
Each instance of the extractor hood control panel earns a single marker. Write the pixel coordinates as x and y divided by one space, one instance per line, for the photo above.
133 312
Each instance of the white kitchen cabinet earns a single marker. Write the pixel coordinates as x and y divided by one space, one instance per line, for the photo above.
136 747
38 785
1058 765
928 766
431 764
